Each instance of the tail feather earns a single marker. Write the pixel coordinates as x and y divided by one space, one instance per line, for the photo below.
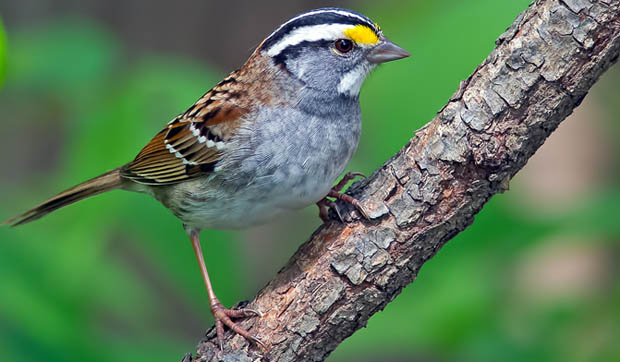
102 183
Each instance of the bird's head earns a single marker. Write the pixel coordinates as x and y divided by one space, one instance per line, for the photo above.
330 49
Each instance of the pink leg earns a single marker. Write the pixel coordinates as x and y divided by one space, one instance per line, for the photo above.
345 180
222 315
324 204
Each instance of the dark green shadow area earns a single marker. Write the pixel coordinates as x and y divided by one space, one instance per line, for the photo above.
2 54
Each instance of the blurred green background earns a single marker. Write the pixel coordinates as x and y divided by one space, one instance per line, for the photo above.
114 278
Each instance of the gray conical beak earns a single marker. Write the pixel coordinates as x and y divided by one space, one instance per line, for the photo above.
386 51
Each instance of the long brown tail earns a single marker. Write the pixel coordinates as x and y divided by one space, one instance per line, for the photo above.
102 183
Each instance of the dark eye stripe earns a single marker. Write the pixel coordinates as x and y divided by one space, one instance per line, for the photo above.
292 51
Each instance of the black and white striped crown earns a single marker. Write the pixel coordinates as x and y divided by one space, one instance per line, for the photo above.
319 25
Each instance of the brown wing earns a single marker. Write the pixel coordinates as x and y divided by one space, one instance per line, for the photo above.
191 144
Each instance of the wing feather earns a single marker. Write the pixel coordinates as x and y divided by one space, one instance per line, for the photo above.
192 143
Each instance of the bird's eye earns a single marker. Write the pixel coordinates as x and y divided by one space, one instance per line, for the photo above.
343 45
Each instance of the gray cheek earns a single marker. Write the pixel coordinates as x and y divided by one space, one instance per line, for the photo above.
320 69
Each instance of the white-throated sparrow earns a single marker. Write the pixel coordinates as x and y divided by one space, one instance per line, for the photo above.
271 137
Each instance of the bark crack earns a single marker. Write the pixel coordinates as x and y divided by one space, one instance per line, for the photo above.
541 69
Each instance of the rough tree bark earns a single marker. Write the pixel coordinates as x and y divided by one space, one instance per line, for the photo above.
540 70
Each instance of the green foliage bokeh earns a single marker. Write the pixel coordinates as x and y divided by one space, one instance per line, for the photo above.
114 278
2 54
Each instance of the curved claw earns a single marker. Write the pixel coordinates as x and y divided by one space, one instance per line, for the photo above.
335 207
223 318
356 174
324 205
360 208
323 209
252 311
345 180
351 200
260 343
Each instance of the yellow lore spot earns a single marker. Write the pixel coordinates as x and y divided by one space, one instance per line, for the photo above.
362 34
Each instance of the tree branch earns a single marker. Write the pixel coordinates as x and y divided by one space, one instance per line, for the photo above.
540 70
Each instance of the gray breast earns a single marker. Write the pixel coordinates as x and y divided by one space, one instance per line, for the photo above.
293 156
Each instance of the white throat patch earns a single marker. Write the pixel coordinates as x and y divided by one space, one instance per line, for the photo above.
351 83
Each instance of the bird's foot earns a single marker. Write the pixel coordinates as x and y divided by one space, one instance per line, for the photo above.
349 176
223 317
349 200
325 204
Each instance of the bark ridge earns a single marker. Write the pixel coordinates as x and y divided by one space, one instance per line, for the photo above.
541 69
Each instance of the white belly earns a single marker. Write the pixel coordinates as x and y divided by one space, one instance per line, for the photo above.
245 211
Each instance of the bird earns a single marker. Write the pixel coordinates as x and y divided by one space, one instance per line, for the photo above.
271 137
